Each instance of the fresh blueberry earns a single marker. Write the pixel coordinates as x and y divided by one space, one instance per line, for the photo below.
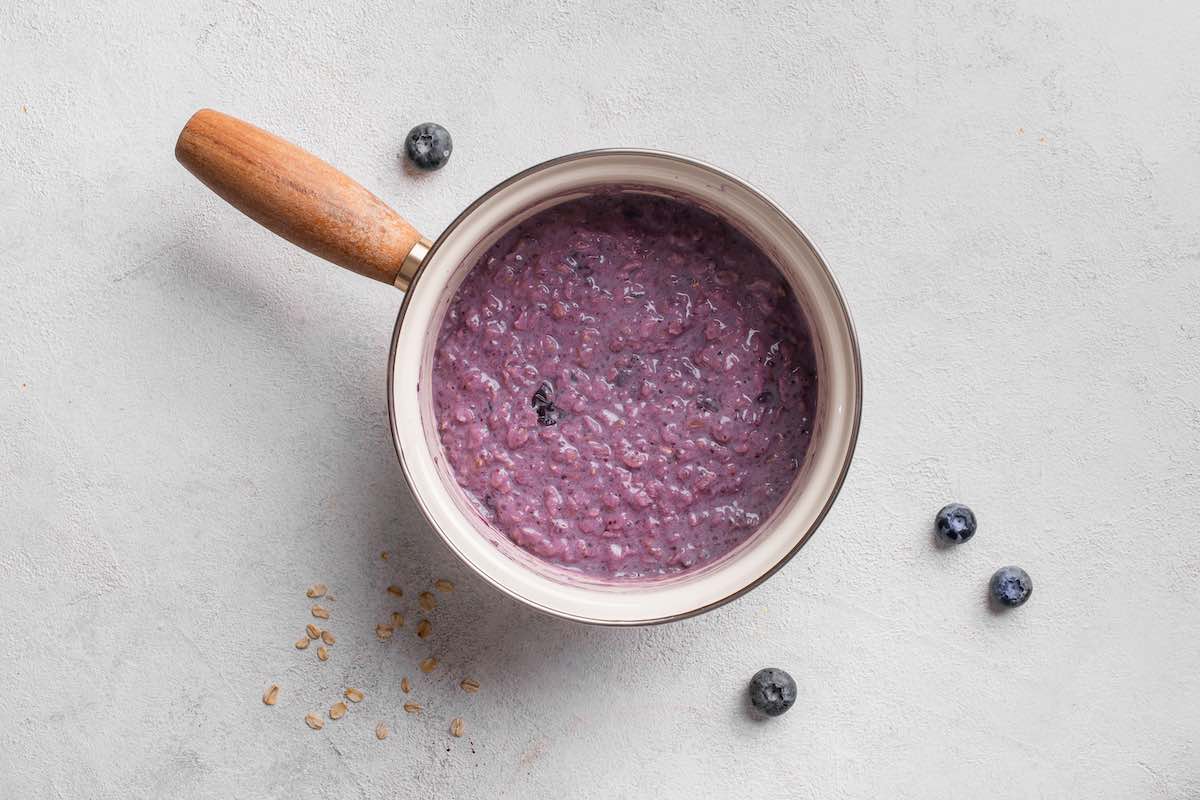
956 523
543 404
772 691
428 146
1011 586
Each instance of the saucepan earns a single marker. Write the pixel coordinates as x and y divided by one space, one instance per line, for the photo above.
308 202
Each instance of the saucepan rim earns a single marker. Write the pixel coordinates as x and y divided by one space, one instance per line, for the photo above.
842 309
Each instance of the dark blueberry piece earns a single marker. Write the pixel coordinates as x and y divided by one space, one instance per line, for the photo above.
1011 586
428 146
772 691
707 404
543 404
956 523
764 397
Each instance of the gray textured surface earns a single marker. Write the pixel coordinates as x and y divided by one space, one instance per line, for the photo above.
194 426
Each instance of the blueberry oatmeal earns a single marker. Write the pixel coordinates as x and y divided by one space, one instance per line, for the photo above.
624 386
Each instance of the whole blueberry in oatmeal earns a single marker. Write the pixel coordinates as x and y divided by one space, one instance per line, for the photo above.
624 386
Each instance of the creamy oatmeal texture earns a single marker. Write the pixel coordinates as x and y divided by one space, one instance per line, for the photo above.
624 386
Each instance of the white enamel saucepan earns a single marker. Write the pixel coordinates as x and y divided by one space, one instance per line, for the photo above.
311 204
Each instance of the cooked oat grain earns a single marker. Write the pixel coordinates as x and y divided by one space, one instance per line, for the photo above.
412 708
316 590
271 694
424 628
428 601
302 642
323 653
320 612
456 726
337 710
469 685
327 637
405 686
381 731
384 631
395 590
443 585
353 695
313 631
429 665
314 721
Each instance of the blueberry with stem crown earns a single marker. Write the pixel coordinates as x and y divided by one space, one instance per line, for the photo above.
1011 586
772 691
956 523
428 146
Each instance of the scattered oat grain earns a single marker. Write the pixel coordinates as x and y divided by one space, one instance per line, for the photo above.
316 590
405 686
327 637
395 590
424 628
302 642
337 710
381 731
353 695
314 721
456 726
469 685
428 601
313 631
384 632
397 619
412 708
271 694
323 653
320 612
443 585
429 665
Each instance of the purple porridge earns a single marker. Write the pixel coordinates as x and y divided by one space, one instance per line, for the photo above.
624 386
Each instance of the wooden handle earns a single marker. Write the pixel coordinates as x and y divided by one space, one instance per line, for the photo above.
298 196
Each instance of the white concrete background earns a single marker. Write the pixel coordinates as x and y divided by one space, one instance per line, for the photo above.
193 420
